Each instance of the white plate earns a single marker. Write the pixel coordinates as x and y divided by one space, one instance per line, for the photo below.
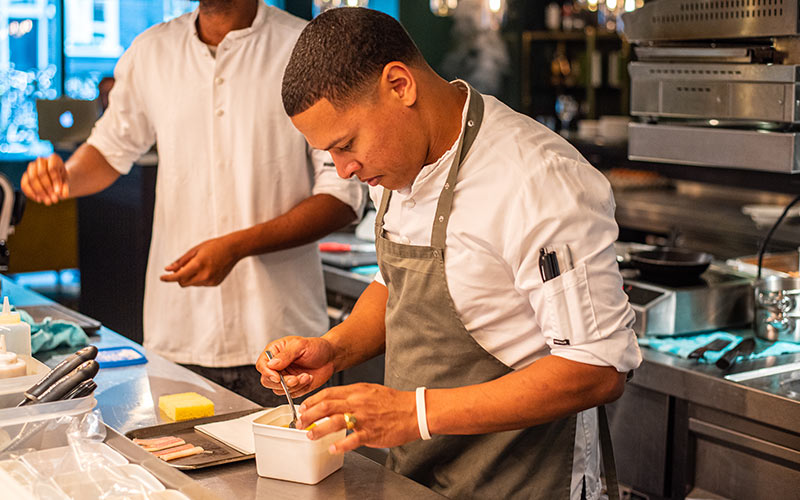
766 215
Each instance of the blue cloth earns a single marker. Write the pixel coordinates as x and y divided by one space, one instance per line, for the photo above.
683 346
51 333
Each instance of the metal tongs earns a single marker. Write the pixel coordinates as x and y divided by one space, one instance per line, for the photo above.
293 423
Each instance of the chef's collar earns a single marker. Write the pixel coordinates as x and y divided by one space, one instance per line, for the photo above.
262 12
428 169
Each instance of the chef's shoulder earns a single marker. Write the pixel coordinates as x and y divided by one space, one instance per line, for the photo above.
162 39
530 157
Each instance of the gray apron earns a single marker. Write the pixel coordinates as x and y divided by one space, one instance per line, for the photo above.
428 345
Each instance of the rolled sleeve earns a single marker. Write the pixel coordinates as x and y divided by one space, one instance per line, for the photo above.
583 313
124 132
599 318
327 181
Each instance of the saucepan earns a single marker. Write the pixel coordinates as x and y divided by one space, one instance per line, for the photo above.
670 265
777 311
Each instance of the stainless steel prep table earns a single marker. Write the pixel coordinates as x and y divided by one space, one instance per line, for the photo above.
128 399
682 429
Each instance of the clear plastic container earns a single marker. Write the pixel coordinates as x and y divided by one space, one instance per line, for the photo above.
62 460
288 454
109 481
35 371
57 459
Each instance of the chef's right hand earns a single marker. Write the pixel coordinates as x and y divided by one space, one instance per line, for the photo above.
45 180
306 363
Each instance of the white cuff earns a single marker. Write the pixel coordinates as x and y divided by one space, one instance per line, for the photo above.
422 416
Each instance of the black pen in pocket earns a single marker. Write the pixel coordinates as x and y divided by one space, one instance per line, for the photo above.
554 260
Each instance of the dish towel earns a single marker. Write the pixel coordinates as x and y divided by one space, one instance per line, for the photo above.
683 346
51 333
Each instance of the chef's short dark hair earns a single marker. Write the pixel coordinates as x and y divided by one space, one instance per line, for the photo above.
340 55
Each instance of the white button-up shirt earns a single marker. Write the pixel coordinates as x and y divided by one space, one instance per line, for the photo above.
521 188
229 158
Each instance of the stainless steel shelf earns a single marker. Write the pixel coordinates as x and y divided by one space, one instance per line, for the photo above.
711 147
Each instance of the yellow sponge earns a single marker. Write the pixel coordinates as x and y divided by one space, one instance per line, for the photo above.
186 405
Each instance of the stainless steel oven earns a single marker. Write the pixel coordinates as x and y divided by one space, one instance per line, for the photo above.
716 83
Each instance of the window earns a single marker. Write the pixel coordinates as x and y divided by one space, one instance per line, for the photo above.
50 48
44 54
29 59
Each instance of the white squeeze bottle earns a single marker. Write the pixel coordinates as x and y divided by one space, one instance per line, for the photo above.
17 332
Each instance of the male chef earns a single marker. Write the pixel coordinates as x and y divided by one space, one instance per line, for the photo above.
240 197
497 354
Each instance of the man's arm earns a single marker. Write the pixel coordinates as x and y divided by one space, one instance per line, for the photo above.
308 362
49 180
548 389
362 336
208 263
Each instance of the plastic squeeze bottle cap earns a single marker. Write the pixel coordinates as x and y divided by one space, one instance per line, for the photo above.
7 316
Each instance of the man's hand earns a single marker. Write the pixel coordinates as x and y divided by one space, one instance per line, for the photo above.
207 264
306 363
46 180
384 417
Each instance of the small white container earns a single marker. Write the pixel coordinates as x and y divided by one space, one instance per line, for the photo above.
288 454
36 370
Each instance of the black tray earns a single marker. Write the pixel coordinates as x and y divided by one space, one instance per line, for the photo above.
220 454
57 311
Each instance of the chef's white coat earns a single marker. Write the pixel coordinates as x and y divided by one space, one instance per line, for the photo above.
523 187
229 158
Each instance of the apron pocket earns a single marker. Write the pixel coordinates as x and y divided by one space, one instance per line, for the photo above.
570 318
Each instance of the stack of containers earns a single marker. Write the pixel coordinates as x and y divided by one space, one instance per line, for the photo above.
15 346
37 459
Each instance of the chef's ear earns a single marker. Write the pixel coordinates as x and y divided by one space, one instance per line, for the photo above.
398 81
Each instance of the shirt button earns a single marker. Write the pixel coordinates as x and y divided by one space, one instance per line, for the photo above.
219 80
410 203
220 112
405 240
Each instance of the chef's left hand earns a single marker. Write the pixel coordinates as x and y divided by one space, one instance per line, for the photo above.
207 264
384 417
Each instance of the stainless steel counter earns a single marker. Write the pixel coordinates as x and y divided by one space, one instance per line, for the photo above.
682 429
128 399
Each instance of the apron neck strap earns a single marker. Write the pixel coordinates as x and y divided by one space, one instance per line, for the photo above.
445 205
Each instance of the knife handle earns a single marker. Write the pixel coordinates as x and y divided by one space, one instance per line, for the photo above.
743 348
83 389
61 369
65 384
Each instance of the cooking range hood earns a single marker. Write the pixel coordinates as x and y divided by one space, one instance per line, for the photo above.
716 83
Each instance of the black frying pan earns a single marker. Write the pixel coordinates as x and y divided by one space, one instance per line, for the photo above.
670 265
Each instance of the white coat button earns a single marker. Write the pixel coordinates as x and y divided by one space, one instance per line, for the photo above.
405 240
219 80
220 112
410 203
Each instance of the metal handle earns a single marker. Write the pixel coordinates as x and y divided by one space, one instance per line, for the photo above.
286 390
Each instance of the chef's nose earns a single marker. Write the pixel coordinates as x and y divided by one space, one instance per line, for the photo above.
349 169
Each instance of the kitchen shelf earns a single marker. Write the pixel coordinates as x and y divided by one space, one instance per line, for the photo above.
537 93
